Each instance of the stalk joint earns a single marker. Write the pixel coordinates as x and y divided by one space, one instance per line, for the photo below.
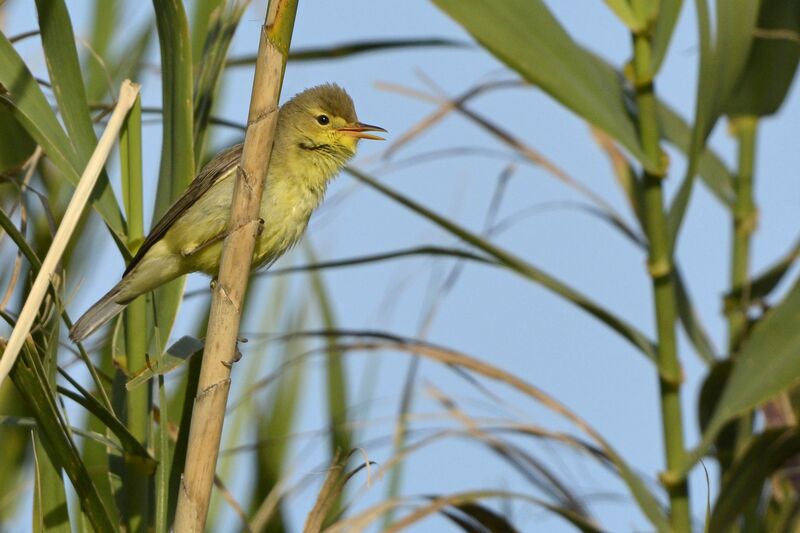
659 269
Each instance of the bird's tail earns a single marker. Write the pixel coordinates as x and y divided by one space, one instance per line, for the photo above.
101 312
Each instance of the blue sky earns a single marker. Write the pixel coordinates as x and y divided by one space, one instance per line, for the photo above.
490 314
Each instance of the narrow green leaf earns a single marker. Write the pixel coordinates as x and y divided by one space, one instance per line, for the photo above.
346 50
772 62
690 320
179 454
762 285
722 61
138 483
743 484
712 170
16 444
130 148
341 438
518 265
202 12
53 499
17 145
137 453
131 60
29 377
272 459
768 363
105 20
23 98
177 149
65 76
177 160
526 36
668 13
623 10
482 517
50 511
66 79
710 393
19 240
221 28
164 456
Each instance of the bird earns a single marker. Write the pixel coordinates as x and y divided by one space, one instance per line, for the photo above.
316 134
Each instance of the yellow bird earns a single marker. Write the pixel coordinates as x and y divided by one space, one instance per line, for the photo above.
316 134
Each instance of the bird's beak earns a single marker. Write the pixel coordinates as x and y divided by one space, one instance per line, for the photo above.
359 130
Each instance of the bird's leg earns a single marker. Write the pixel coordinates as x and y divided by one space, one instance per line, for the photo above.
191 250
237 355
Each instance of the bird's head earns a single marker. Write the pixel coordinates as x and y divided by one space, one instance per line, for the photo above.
322 121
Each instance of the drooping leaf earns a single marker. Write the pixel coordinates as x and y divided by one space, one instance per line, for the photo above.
24 100
518 265
743 484
28 375
526 36
772 62
484 516
762 285
722 60
345 50
767 364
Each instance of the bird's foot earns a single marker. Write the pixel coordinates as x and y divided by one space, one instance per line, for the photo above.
237 354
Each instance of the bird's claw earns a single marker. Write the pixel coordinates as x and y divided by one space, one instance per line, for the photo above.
237 354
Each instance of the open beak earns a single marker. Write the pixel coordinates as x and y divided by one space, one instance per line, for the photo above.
360 130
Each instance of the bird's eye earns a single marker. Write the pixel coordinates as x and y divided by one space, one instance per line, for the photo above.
323 120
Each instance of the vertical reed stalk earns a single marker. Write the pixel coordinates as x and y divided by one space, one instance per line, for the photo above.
139 400
237 251
745 218
744 223
660 268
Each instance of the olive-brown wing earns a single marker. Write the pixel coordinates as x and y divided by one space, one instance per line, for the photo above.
218 167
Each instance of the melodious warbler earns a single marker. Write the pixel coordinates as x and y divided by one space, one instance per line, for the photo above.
316 134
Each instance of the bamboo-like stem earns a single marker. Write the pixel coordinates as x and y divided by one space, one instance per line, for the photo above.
745 218
744 224
69 222
237 252
138 401
660 268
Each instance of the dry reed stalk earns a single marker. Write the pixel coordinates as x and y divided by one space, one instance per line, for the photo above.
77 204
228 294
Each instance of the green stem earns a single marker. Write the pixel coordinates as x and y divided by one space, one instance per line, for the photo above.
660 269
744 223
138 404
